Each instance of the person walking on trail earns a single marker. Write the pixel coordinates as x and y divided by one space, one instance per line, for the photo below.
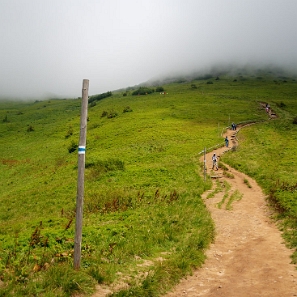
214 161
227 141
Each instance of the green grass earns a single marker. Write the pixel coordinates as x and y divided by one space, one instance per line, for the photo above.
225 186
235 196
247 183
143 182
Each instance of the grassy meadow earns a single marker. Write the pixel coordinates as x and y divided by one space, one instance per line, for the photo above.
145 224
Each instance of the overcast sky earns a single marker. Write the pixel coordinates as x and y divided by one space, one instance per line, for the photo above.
49 46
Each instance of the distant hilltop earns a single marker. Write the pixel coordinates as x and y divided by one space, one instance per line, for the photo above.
217 71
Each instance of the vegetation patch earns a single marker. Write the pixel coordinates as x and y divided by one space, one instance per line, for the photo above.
98 97
247 183
142 183
143 91
236 196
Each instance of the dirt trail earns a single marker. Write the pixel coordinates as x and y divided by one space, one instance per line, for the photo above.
248 256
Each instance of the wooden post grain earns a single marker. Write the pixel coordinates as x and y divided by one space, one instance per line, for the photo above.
81 172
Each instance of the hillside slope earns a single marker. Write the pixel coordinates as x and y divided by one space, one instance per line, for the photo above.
143 183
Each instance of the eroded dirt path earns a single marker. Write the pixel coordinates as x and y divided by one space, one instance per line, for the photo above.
248 256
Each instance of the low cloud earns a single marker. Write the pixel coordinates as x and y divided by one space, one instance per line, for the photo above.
48 48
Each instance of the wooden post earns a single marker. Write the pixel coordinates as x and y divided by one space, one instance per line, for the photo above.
81 172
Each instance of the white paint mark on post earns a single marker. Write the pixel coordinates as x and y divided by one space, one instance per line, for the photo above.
81 150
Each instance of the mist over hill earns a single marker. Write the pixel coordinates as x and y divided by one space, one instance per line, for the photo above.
50 47
232 71
214 72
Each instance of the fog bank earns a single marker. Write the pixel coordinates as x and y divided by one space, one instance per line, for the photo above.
49 47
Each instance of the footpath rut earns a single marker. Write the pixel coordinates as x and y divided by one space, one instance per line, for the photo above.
248 256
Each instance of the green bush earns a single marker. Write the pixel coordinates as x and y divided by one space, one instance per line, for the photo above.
104 114
127 109
30 128
109 114
99 97
72 147
93 104
112 114
160 89
143 91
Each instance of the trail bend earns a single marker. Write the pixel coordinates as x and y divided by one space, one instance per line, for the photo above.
248 256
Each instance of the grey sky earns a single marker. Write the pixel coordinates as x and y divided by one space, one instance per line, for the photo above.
49 46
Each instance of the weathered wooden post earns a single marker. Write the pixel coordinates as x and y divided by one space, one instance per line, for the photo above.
81 172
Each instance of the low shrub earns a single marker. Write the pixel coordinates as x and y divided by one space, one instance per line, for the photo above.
72 147
143 91
93 104
112 114
104 114
30 128
5 120
160 89
99 97
127 109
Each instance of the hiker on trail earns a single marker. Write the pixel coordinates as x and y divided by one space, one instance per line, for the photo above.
233 126
227 141
214 161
